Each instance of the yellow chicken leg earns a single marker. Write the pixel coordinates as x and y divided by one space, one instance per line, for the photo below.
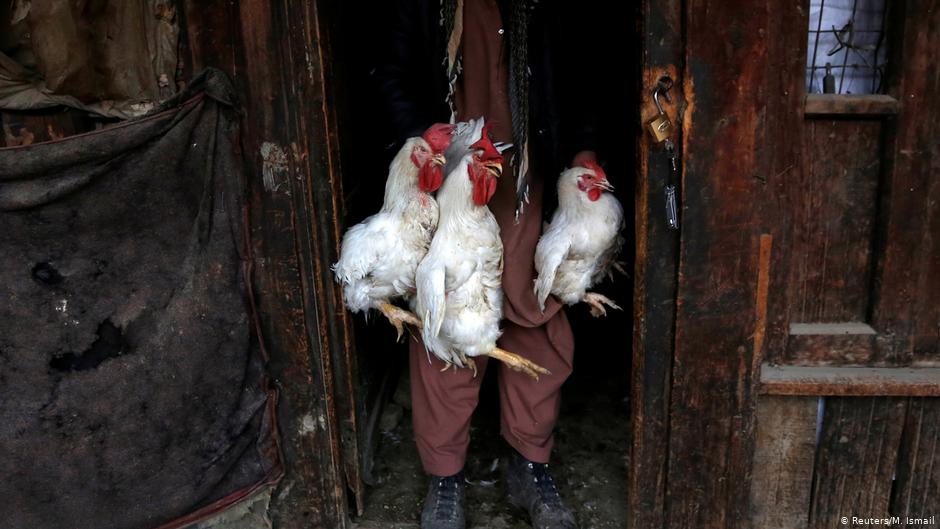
398 317
597 302
518 363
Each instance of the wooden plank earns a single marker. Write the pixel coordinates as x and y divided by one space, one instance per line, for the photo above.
763 291
742 81
850 381
311 103
918 476
831 329
834 221
784 146
856 459
907 280
783 461
261 46
830 349
657 249
850 105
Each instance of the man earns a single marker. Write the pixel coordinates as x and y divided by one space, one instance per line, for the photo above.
512 62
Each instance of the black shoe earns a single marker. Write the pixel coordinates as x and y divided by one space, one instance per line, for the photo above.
443 506
531 488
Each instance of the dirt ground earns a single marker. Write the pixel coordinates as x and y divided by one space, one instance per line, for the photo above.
589 463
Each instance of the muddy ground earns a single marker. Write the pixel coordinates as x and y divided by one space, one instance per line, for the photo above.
589 463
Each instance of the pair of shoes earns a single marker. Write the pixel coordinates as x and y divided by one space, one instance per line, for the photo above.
443 506
532 488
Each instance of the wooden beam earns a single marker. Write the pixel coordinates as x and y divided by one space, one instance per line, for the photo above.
737 109
273 52
783 461
831 329
830 349
850 381
907 276
856 460
918 475
657 249
850 105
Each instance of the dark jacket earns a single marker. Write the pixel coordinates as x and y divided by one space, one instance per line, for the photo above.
562 118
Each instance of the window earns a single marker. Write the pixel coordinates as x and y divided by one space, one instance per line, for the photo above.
846 52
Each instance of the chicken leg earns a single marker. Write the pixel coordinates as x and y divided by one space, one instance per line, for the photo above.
470 363
398 317
518 363
597 302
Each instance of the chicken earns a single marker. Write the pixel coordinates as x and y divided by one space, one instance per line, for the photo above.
459 282
581 244
379 256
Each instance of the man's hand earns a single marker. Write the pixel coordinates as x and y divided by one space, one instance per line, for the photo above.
584 157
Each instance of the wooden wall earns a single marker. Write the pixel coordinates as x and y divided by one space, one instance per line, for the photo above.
278 55
805 364
846 419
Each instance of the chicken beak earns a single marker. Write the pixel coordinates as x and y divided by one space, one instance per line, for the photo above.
604 184
439 159
495 168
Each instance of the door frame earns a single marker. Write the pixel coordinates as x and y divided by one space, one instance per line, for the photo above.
655 270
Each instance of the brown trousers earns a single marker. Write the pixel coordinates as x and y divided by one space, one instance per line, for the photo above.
442 403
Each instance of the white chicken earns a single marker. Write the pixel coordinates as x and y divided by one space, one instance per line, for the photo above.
581 244
459 282
379 256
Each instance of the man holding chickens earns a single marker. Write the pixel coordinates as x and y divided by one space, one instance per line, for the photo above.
514 63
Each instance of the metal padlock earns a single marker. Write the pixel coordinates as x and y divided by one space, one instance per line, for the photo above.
660 127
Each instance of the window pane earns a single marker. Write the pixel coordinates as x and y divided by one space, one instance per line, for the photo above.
849 35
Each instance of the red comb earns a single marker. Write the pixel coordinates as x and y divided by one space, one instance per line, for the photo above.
485 144
594 167
438 136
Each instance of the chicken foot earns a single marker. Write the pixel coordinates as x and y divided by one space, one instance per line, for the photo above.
518 363
514 361
470 363
618 266
398 317
597 302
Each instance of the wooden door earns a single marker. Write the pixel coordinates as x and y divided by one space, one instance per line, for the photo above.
279 56
806 268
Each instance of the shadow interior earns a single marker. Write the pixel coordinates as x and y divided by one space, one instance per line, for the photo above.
593 433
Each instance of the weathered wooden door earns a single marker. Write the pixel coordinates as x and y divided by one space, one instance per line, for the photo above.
791 382
279 57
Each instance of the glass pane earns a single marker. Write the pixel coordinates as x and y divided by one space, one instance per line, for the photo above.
849 36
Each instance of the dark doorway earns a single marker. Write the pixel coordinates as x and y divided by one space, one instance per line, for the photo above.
593 435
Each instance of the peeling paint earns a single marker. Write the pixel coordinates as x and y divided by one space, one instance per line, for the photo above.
274 165
307 424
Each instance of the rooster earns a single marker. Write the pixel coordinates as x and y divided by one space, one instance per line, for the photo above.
379 256
582 242
459 282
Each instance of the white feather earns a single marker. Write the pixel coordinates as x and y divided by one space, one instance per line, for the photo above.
459 281
379 256
580 244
